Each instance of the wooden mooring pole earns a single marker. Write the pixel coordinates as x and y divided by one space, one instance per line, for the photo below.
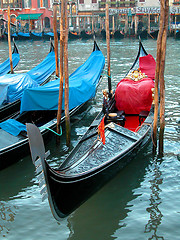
61 67
9 40
66 76
159 75
156 95
55 38
108 48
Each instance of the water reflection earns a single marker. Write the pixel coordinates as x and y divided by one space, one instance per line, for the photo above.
16 179
7 216
155 201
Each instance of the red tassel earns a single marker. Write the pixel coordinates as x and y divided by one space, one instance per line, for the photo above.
101 130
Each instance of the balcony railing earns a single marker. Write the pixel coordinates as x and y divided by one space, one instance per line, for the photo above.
12 5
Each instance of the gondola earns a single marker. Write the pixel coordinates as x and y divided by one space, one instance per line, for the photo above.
143 34
86 35
103 34
5 66
36 36
48 35
13 35
13 85
23 36
94 162
39 106
118 35
73 35
154 34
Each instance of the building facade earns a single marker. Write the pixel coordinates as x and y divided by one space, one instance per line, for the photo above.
28 14
37 15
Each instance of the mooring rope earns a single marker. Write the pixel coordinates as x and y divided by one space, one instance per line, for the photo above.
149 124
58 134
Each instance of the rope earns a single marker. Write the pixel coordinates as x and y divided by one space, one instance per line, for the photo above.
105 75
53 130
149 124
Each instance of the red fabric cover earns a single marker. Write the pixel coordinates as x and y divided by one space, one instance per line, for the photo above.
134 97
102 131
147 65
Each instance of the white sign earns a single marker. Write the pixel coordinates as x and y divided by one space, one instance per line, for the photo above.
143 10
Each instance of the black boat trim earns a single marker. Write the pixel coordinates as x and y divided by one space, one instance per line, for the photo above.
15 50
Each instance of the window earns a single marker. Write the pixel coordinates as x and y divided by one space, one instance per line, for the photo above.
42 3
81 1
27 3
94 1
101 3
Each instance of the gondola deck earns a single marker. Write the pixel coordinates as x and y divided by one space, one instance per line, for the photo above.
87 156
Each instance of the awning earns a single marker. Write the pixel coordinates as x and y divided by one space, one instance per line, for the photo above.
32 16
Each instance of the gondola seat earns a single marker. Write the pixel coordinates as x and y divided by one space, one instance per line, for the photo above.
117 117
134 96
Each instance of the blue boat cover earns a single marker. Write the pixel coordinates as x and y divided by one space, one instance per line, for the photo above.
82 87
51 34
21 34
14 35
5 66
12 86
36 34
13 127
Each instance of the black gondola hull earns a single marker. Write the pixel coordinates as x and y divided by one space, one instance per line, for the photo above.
73 36
67 194
118 35
36 37
92 163
85 35
9 110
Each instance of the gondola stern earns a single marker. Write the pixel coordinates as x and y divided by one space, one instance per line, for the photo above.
36 142
51 46
39 157
15 50
96 47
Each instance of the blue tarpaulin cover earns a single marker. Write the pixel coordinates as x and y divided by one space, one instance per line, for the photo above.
37 34
12 86
22 34
5 66
51 34
12 126
82 87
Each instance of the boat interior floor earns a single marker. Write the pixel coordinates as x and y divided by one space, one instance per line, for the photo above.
38 118
128 121
132 122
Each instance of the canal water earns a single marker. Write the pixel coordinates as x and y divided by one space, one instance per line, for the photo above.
141 202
